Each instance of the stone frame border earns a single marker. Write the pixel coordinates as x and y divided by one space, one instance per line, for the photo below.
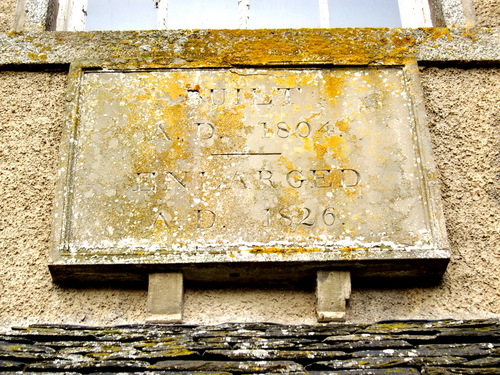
422 265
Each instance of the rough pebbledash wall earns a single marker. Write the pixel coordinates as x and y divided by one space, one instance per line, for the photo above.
463 107
7 11
487 12
461 104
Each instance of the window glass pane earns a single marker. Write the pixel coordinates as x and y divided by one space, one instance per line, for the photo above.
121 15
283 14
203 14
364 13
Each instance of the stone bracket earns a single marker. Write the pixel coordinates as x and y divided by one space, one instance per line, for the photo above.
165 298
333 289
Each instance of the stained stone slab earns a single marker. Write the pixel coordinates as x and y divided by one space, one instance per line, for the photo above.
88 364
127 352
272 354
230 366
191 169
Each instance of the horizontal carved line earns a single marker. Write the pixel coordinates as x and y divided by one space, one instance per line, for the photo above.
248 154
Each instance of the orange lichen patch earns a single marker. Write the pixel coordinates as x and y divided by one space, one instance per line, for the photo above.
350 193
212 48
308 144
334 86
35 57
161 226
346 252
330 145
343 125
283 251
172 90
193 87
469 33
361 46
438 33
312 116
401 41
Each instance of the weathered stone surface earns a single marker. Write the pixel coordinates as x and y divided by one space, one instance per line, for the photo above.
7 347
180 48
165 297
393 361
472 333
393 370
360 363
270 343
365 343
48 334
393 327
430 326
333 289
273 354
6 365
462 350
124 351
189 345
461 370
231 166
256 348
466 350
484 362
105 365
234 367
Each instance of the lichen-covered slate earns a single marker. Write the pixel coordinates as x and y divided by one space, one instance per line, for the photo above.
183 166
317 349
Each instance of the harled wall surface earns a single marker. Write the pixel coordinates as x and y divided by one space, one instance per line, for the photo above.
7 11
487 12
463 107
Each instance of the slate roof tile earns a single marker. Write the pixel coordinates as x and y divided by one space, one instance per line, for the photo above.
403 347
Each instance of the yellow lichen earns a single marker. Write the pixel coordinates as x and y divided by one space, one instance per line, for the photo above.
35 57
283 251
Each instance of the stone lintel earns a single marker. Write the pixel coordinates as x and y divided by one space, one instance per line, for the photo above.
165 298
210 48
333 289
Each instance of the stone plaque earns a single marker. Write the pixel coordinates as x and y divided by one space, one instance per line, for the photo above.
173 167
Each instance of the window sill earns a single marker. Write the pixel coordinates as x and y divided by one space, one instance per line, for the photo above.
224 48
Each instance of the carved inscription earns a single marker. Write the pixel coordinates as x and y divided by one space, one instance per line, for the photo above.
211 180
297 179
187 158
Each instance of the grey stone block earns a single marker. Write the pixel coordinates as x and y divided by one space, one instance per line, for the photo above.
165 298
332 290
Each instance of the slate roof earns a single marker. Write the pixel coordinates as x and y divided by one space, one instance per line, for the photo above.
405 347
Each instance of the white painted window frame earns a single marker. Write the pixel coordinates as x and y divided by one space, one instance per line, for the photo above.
415 13
37 15
72 14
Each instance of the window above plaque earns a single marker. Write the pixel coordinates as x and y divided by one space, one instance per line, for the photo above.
92 15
